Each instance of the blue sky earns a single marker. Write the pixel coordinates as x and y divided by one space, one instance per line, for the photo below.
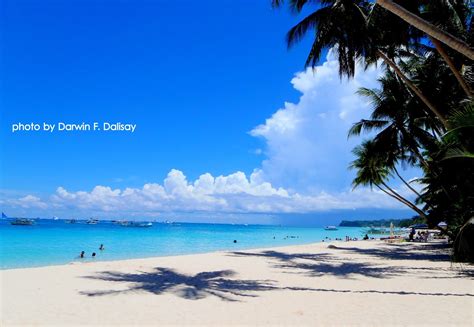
207 83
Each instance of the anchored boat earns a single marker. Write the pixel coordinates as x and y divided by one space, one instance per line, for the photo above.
92 221
23 222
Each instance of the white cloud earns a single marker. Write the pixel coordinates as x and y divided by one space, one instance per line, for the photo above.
28 201
234 193
306 142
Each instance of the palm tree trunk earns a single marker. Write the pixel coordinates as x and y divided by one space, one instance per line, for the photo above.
430 29
401 199
414 148
394 196
409 203
414 88
405 182
447 59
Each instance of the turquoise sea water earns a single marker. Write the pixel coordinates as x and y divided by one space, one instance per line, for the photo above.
50 242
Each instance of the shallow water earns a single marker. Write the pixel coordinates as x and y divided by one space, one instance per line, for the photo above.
50 242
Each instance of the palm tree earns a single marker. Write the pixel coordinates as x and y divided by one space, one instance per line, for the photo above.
428 28
458 141
399 122
453 16
345 26
340 25
372 170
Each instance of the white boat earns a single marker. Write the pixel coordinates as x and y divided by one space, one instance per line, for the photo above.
330 228
92 221
23 222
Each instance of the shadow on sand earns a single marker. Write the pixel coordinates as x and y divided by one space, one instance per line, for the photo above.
323 264
161 280
224 285
347 267
407 251
378 292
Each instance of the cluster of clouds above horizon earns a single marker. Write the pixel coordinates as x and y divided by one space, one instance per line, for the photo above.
305 167
234 193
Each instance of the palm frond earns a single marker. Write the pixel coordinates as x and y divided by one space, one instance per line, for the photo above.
366 126
312 21
457 153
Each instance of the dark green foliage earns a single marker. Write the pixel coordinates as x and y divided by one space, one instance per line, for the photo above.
464 243
403 127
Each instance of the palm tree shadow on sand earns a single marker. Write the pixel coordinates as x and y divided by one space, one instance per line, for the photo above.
407 251
191 287
321 264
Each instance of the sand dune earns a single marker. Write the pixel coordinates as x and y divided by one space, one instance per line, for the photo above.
353 283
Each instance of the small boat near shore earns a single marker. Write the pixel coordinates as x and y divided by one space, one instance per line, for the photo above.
330 228
23 222
70 221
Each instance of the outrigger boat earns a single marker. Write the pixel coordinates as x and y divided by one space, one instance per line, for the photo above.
23 222
92 221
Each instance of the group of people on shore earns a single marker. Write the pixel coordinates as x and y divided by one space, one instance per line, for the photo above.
82 255
420 236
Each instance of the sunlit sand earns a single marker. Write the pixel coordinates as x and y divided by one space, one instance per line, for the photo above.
350 283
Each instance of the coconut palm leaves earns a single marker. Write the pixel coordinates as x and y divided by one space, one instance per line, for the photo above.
430 29
337 24
457 142
422 113
373 168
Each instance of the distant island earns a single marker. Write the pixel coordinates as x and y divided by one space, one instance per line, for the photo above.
382 222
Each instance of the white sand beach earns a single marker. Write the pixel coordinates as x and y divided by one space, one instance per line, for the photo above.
352 283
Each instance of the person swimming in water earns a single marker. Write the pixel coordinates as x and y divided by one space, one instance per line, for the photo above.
93 254
82 254
102 247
